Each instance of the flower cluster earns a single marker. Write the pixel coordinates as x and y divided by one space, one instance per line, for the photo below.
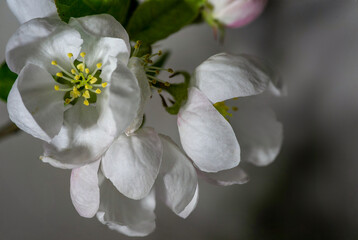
82 90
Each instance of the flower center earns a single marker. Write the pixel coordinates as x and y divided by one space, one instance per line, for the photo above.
80 81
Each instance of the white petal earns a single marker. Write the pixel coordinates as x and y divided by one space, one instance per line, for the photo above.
102 25
276 86
225 76
85 190
226 178
128 216
177 180
206 135
25 10
132 162
41 41
97 46
136 67
124 98
192 205
34 105
259 133
80 141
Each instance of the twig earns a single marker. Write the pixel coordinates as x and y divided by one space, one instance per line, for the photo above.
8 130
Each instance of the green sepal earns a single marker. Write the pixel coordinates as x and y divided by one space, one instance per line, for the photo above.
79 8
7 79
155 20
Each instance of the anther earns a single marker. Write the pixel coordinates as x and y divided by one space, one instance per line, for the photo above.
83 54
67 100
73 71
93 80
81 67
56 87
160 90
70 55
86 102
104 84
170 70
59 74
54 63
86 94
167 84
98 91
235 108
99 65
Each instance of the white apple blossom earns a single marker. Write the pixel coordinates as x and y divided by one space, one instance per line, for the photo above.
207 136
74 89
236 13
119 188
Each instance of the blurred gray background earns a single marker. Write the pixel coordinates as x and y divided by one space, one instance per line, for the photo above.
309 192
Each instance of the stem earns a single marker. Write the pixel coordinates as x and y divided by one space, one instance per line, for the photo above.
8 130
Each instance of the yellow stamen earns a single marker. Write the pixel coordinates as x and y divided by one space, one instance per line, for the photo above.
70 55
73 71
54 63
59 74
88 86
77 77
67 101
81 67
166 84
104 84
98 91
235 108
86 94
99 65
86 102
83 54
87 70
93 80
57 87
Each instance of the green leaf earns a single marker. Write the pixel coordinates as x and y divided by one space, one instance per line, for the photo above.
179 92
7 79
155 20
80 8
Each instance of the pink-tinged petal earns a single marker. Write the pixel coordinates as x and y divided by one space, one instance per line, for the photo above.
206 135
237 13
127 216
34 105
25 10
224 76
259 133
132 162
41 41
84 189
177 180
226 178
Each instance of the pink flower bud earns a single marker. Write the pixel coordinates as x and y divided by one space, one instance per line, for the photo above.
237 13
